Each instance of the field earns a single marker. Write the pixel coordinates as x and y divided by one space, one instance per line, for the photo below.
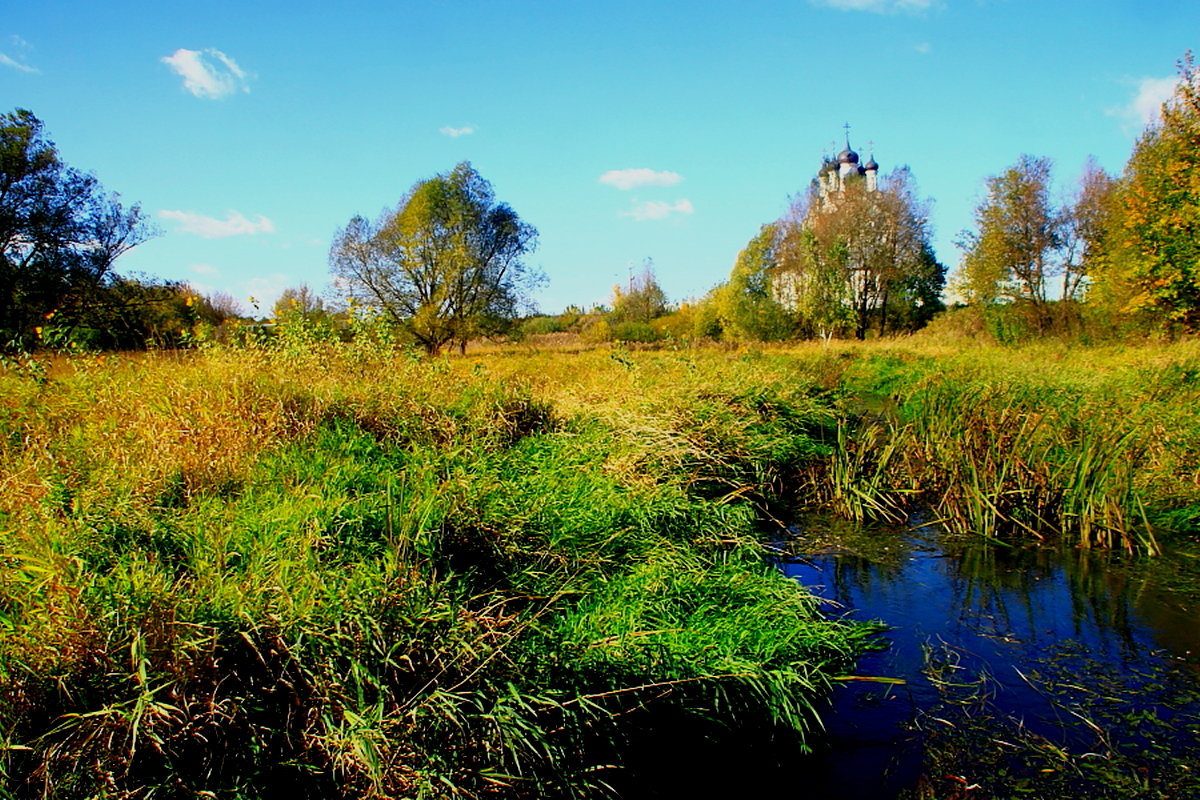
343 570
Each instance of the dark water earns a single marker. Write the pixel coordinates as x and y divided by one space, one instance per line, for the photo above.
1031 670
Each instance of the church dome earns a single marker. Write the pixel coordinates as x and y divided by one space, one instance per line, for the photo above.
871 165
847 156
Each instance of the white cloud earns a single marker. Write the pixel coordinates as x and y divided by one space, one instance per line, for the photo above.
204 269
234 224
626 179
657 209
879 6
924 48
1146 105
21 48
208 73
454 133
8 62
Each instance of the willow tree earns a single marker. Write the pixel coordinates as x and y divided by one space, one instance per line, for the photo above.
446 265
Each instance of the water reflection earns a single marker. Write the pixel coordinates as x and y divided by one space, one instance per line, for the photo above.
1054 639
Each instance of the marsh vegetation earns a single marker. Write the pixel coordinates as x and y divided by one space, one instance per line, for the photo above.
335 569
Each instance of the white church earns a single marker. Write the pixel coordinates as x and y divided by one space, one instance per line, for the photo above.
831 182
834 172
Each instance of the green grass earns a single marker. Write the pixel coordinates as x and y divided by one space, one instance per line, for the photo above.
339 571
246 574
1098 445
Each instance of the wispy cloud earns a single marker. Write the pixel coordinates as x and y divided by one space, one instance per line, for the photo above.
626 179
924 48
208 73
1146 104
234 224
20 50
657 209
454 133
880 6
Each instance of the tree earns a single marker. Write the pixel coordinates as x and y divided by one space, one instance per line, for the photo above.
446 265
125 313
811 281
896 276
748 308
1085 230
633 308
643 301
59 232
1010 255
1157 247
217 308
916 297
860 255
299 301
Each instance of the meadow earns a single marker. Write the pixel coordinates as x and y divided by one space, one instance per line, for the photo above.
322 569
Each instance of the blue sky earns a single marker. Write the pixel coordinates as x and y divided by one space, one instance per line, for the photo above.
623 131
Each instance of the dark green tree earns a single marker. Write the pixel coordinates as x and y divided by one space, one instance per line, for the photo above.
446 265
59 233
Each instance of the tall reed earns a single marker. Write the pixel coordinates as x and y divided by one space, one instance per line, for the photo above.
1099 446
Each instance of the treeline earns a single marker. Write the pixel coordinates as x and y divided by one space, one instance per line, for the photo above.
844 261
852 257
60 234
1120 256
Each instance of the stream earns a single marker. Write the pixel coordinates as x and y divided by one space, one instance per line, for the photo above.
1028 671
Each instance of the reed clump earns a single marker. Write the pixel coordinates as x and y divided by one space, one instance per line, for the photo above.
1098 445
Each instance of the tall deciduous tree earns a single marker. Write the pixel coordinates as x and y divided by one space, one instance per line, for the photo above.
59 231
1158 248
1085 231
748 306
446 265
862 256
1011 254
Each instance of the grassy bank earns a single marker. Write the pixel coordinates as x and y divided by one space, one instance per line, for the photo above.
1098 445
341 572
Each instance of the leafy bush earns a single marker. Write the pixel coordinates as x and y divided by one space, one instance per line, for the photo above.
640 332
